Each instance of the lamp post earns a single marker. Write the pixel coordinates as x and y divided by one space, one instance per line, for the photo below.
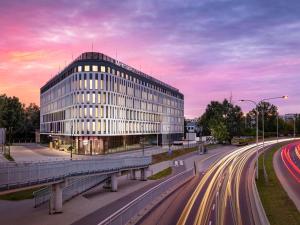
256 111
142 126
294 126
277 126
263 125
71 140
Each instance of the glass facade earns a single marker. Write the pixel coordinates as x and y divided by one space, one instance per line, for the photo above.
105 105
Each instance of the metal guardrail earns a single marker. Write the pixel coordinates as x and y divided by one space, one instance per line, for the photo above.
258 211
126 213
76 187
27 174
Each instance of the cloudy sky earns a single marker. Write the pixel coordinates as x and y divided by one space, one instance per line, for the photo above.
206 48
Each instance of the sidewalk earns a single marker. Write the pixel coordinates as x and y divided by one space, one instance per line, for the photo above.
95 199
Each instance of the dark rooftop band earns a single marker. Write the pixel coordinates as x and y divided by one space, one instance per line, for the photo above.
95 57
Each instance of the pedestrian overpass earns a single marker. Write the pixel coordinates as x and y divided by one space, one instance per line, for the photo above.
56 173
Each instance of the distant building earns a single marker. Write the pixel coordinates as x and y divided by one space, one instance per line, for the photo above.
290 116
102 105
192 126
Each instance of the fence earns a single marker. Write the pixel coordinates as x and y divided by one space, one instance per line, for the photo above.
27 174
76 187
125 214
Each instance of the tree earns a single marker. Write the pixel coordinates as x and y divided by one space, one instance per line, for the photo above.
32 120
222 112
20 122
270 116
219 131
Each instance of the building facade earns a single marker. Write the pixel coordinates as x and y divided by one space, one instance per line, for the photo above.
100 105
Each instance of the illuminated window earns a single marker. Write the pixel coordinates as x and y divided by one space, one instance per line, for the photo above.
96 112
104 98
108 69
91 84
95 68
96 82
94 126
91 111
82 95
101 112
94 98
85 111
103 69
99 98
88 97
87 68
99 126
79 68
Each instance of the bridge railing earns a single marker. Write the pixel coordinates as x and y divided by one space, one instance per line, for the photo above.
25 174
125 214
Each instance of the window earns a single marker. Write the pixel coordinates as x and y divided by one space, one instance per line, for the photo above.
94 98
99 126
96 82
95 68
88 97
103 69
94 126
85 111
86 68
91 111
79 69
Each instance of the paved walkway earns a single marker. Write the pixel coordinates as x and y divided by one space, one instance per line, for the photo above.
95 199
35 152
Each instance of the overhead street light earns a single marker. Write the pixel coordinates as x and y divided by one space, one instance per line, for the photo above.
263 126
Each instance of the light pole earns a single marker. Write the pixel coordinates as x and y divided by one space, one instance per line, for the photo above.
294 126
71 140
142 126
256 111
277 126
263 125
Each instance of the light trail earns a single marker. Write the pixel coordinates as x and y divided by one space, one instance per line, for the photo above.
288 162
223 181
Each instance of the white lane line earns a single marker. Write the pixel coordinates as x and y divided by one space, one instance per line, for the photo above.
213 208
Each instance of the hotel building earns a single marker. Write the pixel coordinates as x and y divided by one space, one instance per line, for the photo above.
100 105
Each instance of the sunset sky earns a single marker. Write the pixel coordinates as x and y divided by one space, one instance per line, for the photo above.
207 48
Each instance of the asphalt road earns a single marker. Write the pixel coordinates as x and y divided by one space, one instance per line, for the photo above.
102 213
219 196
287 167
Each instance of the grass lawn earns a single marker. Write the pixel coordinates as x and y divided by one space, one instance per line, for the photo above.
279 208
161 174
20 195
175 153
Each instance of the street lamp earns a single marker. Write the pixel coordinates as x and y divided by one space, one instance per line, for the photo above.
142 126
294 126
71 140
263 125
277 126
256 111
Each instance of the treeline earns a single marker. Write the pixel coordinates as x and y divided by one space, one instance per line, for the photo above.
224 120
20 121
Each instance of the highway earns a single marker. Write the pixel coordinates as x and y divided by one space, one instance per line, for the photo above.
287 167
219 196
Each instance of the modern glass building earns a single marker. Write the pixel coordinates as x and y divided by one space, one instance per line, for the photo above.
100 105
